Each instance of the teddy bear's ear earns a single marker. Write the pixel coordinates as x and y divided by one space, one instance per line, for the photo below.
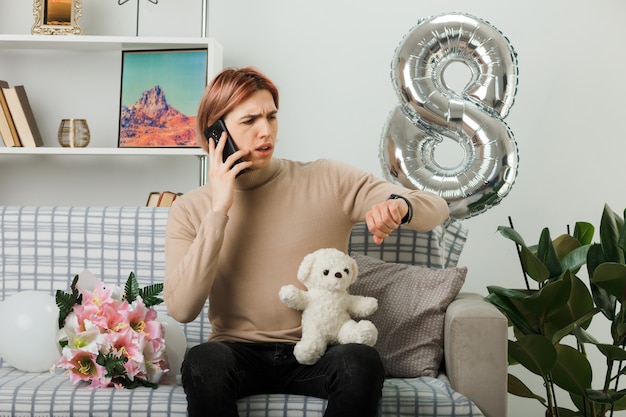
355 270
305 266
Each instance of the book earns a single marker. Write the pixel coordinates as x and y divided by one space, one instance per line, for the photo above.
167 198
7 127
153 199
23 116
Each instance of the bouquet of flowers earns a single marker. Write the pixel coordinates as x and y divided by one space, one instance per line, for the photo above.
112 338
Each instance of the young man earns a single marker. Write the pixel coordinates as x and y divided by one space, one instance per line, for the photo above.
241 237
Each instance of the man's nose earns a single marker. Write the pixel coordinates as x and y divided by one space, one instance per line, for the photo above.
264 127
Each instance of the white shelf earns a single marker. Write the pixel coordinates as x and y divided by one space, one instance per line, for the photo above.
103 151
91 46
102 43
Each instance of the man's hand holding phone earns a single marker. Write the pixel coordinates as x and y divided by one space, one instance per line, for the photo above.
221 169
216 133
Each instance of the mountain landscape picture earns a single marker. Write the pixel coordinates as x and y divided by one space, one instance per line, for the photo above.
160 94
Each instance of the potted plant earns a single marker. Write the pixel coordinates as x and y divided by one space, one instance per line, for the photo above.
550 318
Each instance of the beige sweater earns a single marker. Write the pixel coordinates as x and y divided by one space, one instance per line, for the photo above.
279 215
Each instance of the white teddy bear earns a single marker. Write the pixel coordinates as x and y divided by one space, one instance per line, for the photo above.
327 307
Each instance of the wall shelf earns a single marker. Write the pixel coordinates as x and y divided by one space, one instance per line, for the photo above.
45 150
87 55
103 43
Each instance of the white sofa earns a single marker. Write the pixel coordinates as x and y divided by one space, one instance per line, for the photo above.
43 248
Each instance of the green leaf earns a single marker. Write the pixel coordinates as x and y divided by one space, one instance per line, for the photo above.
66 301
583 232
611 226
564 244
583 337
605 301
612 352
550 298
608 397
502 299
511 234
131 289
578 309
572 370
516 387
509 293
611 277
575 258
533 266
149 294
620 404
535 352
595 257
547 254
570 328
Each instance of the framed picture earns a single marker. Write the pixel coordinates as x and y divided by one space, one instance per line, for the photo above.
161 91
57 17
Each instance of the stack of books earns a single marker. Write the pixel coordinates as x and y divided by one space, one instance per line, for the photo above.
161 198
18 126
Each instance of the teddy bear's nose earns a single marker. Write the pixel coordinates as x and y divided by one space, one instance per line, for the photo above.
338 275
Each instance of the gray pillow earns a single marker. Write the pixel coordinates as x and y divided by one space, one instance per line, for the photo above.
412 302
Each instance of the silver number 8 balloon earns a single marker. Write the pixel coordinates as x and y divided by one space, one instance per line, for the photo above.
430 112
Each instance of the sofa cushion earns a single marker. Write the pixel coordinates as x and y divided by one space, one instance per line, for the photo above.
56 396
412 302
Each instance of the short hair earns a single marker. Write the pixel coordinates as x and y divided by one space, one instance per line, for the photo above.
227 90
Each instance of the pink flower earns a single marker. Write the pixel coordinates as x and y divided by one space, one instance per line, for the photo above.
82 366
125 343
139 316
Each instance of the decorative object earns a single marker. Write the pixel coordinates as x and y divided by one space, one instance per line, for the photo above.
74 133
550 319
28 331
123 2
472 120
412 303
161 91
327 307
110 336
57 17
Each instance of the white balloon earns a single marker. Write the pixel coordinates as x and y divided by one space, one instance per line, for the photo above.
28 331
175 344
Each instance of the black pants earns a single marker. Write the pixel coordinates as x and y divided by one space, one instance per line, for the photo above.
216 374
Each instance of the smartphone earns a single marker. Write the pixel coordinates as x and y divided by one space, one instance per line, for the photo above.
214 132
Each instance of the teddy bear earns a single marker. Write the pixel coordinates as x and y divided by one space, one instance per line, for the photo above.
327 307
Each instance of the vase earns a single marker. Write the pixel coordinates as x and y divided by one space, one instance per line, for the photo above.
74 133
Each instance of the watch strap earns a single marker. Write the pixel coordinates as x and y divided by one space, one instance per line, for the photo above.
409 214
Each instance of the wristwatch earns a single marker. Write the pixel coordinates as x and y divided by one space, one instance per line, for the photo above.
409 214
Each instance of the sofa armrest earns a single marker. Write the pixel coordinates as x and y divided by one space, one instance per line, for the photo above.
475 352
